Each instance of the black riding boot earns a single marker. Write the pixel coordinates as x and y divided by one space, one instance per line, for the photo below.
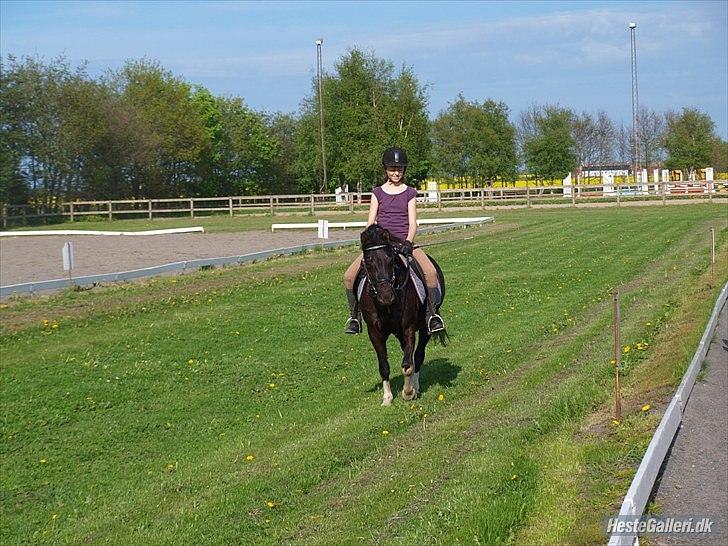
432 319
353 325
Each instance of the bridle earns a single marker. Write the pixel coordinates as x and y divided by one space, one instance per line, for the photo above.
374 283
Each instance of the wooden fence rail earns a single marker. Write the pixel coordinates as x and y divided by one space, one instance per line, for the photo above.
13 215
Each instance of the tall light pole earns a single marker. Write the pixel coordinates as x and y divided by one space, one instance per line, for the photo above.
319 70
635 101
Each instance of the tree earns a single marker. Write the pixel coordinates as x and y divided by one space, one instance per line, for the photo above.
650 137
689 140
366 109
171 124
549 151
282 129
719 155
475 140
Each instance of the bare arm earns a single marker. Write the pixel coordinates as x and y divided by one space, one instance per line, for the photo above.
373 209
412 217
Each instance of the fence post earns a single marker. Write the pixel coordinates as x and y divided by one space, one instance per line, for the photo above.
272 212
313 213
617 359
439 199
574 189
528 196
149 208
71 210
230 205
350 197
192 208
664 192
111 208
619 191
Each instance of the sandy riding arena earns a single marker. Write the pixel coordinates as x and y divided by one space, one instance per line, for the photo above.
39 258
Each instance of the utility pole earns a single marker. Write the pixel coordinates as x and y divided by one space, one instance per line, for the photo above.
636 163
319 69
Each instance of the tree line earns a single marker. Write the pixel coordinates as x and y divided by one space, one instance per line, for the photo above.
142 132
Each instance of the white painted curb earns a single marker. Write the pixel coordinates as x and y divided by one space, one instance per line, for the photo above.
644 480
198 229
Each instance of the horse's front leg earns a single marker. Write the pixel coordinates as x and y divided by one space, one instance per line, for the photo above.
407 341
379 342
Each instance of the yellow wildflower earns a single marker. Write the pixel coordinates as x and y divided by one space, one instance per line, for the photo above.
441 397
249 457
270 504
646 407
626 349
385 433
42 461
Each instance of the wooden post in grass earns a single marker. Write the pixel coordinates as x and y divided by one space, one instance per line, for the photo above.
617 360
712 255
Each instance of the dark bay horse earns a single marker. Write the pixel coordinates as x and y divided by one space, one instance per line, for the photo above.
390 305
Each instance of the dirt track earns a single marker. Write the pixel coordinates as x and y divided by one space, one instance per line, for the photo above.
38 258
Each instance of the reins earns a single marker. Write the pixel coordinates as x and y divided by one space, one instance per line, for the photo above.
374 283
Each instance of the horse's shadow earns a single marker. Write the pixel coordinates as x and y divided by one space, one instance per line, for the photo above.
439 371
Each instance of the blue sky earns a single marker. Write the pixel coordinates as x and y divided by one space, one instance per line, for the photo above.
575 54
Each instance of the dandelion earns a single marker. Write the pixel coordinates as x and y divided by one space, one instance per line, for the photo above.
270 504
441 397
169 468
271 385
626 349
514 477
46 322
646 407
648 324
249 457
42 461
55 326
613 362
190 361
385 433
615 422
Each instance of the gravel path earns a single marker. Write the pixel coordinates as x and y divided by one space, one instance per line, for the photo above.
38 258
694 481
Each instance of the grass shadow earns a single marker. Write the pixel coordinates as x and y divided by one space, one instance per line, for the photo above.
440 372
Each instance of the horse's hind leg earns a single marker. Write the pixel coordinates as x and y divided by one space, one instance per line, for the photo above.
422 340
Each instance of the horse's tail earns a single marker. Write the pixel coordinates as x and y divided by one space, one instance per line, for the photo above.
441 337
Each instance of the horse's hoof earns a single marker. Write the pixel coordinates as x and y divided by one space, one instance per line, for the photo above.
409 396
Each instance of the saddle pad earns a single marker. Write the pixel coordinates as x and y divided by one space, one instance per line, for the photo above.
361 282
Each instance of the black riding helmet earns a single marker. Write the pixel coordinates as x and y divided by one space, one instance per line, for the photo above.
394 157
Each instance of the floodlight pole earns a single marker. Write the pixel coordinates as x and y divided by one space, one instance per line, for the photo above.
319 69
635 101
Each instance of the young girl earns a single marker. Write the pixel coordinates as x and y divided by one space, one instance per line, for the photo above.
394 207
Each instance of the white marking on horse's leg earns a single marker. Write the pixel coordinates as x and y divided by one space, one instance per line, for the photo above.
387 397
416 383
408 391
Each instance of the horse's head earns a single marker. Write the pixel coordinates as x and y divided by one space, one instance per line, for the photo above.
380 263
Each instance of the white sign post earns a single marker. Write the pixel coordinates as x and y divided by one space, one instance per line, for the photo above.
68 258
323 229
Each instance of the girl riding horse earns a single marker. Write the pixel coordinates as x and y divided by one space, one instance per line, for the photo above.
394 207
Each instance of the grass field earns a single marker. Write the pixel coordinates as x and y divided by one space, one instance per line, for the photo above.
227 407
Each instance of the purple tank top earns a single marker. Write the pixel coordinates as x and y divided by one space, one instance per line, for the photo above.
392 213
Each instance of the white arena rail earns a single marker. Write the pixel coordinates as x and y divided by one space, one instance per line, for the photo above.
424 221
198 229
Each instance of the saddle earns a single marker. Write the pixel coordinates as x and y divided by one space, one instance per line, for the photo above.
417 281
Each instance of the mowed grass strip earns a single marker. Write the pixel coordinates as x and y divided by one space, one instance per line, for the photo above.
238 412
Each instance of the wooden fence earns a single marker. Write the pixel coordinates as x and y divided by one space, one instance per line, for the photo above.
14 215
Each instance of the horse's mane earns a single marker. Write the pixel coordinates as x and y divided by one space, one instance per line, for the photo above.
377 235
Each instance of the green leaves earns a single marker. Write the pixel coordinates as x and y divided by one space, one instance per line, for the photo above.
689 140
475 140
549 152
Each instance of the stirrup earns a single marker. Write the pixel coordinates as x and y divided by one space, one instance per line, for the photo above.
438 327
353 326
